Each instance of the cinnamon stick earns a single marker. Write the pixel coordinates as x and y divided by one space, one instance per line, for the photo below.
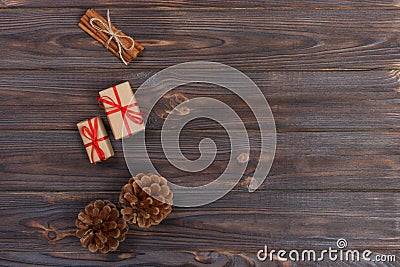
103 37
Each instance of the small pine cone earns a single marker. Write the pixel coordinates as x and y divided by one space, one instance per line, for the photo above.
146 200
100 227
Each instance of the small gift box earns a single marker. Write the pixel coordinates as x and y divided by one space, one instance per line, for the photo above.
95 139
122 110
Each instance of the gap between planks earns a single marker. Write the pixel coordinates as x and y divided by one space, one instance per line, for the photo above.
282 8
72 192
280 130
156 69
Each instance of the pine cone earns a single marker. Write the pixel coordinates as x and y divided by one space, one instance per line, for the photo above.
100 227
146 200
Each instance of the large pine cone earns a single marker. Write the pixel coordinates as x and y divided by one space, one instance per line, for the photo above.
145 200
100 227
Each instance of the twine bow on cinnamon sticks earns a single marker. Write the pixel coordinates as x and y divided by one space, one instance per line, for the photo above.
120 44
113 35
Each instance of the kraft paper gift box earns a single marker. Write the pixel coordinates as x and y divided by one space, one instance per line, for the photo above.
122 110
95 139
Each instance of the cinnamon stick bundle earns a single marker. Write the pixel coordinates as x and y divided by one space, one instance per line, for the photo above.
103 37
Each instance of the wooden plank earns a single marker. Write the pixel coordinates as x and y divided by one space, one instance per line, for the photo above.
162 258
300 101
305 4
56 161
239 221
142 258
247 39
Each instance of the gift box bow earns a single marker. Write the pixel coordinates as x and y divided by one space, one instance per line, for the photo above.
91 133
126 111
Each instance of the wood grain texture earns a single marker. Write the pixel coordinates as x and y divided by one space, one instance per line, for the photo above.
300 101
336 170
255 39
305 4
351 161
314 220
140 258
174 258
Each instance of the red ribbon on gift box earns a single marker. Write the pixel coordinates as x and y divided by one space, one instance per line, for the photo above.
91 134
126 112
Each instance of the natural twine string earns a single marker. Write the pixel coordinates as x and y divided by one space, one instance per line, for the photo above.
113 35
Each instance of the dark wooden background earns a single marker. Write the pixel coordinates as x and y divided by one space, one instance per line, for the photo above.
329 69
